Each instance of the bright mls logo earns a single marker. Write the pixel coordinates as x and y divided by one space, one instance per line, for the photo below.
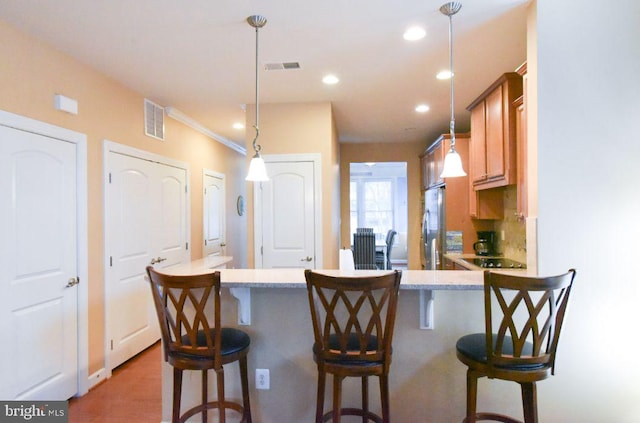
34 411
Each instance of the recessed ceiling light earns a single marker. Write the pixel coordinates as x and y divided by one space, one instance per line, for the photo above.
422 108
445 74
414 33
238 125
330 79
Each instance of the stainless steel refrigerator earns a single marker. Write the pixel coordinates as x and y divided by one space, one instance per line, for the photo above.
433 229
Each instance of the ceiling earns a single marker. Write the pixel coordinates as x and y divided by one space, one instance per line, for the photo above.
198 56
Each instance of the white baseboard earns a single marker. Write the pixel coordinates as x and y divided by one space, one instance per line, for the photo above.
97 377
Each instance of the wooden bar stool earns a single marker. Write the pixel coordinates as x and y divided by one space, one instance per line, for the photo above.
192 342
353 320
521 347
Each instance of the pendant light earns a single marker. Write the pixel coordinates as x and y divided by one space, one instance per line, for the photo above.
452 162
257 169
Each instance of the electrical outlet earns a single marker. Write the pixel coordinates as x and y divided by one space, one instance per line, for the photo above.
262 379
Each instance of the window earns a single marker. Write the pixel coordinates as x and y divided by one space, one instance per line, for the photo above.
378 197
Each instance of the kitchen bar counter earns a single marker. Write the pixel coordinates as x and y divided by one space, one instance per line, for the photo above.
241 281
294 278
273 308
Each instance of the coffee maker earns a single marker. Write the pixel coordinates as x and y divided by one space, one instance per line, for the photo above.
486 244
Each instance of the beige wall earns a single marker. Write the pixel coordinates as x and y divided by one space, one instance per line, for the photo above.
301 128
32 72
387 152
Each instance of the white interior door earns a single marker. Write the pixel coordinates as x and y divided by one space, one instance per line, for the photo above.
147 223
39 262
286 215
213 213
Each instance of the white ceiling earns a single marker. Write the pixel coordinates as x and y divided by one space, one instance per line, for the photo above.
199 56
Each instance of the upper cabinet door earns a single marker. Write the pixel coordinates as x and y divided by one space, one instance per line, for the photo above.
495 146
493 133
477 148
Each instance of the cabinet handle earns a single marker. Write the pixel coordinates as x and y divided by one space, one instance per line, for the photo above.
308 258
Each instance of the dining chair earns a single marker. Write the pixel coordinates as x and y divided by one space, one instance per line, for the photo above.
383 259
523 318
364 250
191 341
353 320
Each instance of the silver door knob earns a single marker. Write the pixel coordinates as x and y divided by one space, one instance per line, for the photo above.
72 282
308 258
157 260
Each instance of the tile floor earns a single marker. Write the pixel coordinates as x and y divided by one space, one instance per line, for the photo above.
132 394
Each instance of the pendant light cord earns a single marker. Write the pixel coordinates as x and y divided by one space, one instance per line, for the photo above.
257 22
452 123
256 146
450 9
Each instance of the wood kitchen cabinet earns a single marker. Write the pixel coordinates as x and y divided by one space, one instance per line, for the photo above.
493 134
520 105
486 204
424 171
433 160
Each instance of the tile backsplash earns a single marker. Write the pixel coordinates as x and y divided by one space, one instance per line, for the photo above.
514 246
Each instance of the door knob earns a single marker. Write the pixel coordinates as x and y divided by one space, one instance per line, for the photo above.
72 282
308 258
157 260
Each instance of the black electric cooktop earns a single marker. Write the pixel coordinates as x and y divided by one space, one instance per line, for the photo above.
497 263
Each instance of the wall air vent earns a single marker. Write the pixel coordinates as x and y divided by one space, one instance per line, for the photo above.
282 66
153 120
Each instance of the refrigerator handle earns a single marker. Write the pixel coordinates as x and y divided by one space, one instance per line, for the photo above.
434 254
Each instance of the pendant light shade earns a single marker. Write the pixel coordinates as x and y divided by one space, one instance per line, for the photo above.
452 163
257 168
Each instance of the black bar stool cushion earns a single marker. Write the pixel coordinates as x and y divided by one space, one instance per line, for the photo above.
474 346
352 345
233 340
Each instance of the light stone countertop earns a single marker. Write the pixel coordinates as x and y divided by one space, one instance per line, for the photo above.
294 278
198 267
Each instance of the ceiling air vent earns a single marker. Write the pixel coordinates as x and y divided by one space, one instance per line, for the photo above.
282 66
153 120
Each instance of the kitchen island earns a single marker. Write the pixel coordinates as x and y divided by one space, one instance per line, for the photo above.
273 309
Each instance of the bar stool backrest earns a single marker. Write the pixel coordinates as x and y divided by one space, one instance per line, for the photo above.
183 304
524 316
353 317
